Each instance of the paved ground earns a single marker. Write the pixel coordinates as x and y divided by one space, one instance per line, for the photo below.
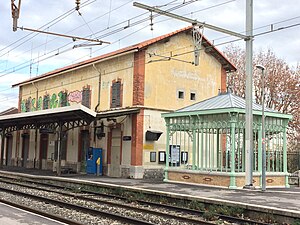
12 216
282 199
278 198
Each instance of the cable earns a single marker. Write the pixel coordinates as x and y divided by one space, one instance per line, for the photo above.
55 50
282 28
47 25
71 30
94 51
130 67
107 34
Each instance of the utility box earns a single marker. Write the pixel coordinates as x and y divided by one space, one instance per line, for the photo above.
94 160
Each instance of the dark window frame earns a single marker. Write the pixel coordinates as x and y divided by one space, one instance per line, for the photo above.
116 94
86 96
193 96
64 99
180 94
46 101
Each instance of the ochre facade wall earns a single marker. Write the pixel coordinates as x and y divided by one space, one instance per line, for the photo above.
73 82
165 78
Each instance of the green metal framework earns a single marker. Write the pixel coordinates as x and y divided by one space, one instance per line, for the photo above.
214 141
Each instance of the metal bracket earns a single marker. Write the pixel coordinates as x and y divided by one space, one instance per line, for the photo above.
15 12
197 39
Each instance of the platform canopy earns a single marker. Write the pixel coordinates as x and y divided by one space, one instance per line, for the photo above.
209 137
69 116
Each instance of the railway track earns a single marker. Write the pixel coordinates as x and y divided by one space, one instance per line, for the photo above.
128 214
166 212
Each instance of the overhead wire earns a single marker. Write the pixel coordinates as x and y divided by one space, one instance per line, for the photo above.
259 33
131 66
14 69
46 26
93 52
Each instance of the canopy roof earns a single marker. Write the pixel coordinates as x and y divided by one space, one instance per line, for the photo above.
39 119
223 103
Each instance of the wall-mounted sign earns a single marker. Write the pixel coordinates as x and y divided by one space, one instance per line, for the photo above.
161 156
148 147
174 155
184 157
152 156
126 138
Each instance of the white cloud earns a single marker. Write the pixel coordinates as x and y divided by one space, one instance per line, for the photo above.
35 14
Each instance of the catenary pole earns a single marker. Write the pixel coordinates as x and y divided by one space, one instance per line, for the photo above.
249 97
249 52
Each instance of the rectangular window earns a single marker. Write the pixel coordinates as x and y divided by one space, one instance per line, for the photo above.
181 94
116 94
86 96
64 99
193 96
46 102
161 156
152 156
28 105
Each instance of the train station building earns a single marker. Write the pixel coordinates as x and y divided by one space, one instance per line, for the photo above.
112 102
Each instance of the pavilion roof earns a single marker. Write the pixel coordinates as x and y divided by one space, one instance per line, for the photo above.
224 103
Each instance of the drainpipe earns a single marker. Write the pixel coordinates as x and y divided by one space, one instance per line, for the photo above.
2 146
36 130
99 87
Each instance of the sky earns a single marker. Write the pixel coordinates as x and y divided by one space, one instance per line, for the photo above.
25 54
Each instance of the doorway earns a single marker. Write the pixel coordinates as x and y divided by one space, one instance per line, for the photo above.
25 149
9 143
44 138
84 144
115 167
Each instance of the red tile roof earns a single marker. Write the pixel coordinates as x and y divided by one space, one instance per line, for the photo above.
216 53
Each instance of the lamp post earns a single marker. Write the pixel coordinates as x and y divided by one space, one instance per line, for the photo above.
263 172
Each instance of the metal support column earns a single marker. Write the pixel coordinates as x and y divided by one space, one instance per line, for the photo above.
259 153
58 166
167 149
2 147
285 155
194 148
232 151
249 114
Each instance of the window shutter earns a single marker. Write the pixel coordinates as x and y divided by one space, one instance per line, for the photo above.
64 99
86 96
46 101
28 105
116 95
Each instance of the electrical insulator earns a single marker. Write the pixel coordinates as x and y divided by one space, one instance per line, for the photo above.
77 2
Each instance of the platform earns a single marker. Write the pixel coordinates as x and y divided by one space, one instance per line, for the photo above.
12 216
283 199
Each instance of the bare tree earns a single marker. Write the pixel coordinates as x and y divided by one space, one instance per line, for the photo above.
282 84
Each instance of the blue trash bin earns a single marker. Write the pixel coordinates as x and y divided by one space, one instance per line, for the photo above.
92 155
